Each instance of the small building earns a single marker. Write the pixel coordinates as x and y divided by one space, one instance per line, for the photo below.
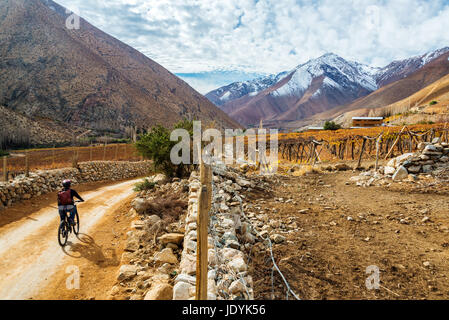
367 122
315 128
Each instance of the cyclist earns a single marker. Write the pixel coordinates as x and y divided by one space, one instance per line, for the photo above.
66 202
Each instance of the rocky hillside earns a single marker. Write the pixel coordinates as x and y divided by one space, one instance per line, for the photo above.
85 77
18 130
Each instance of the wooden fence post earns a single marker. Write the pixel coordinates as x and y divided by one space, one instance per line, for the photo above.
361 153
53 157
377 150
104 152
27 165
91 153
204 204
5 173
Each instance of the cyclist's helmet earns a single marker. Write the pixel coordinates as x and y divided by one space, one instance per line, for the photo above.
67 183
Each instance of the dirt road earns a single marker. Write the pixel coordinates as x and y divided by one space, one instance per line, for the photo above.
30 256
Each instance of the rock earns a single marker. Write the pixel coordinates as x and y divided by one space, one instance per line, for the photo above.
238 265
400 174
151 220
181 291
127 272
427 169
160 291
159 179
304 211
236 287
137 224
425 219
277 238
185 278
426 264
414 169
140 205
403 158
436 140
175 238
166 256
243 183
132 245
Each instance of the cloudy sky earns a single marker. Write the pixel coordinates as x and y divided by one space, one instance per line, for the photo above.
210 43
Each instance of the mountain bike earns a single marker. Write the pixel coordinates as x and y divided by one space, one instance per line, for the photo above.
65 228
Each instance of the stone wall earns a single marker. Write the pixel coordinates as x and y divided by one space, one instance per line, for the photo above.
41 182
228 277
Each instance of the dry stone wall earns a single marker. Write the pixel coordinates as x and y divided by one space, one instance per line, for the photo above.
41 182
228 277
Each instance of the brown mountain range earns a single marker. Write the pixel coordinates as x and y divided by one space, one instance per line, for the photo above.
85 77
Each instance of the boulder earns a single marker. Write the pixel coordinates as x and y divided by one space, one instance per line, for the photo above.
159 179
176 238
389 170
237 287
166 256
400 174
277 238
181 291
127 272
238 265
140 205
160 291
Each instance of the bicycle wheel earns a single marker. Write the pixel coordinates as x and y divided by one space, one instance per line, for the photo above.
76 227
63 233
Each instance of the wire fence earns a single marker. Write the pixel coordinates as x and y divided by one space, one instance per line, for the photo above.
23 161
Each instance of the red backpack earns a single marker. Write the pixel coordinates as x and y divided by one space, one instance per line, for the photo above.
65 197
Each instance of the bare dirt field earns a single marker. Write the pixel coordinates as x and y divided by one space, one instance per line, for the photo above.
348 228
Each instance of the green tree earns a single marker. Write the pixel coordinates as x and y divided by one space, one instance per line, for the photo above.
330 125
433 103
156 145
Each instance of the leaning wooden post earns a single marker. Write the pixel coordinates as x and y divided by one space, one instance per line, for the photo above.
204 203
27 164
377 150
395 143
361 153
5 173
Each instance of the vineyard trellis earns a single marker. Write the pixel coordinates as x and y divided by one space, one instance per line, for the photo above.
385 144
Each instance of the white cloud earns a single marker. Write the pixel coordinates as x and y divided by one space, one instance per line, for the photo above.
269 35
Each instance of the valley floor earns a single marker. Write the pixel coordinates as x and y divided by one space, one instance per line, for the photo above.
347 229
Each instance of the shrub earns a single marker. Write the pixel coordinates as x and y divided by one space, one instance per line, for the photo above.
145 185
433 103
330 125
3 153
156 145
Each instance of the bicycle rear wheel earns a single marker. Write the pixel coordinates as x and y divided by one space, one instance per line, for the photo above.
76 227
63 233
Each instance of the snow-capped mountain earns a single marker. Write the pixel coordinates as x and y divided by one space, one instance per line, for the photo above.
402 68
313 87
337 73
237 90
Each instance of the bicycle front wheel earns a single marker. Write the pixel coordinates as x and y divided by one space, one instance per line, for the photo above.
76 227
